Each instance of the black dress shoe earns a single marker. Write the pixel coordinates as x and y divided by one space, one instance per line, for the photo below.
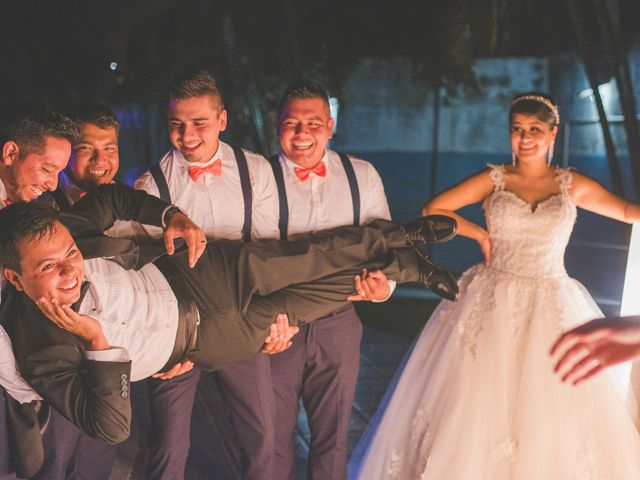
431 229
436 278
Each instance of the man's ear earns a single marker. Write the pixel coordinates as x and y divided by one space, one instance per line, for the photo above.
223 120
10 152
13 277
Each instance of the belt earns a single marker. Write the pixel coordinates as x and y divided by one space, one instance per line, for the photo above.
188 315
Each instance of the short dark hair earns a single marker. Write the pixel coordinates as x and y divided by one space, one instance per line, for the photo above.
304 89
21 222
196 83
530 106
97 113
29 125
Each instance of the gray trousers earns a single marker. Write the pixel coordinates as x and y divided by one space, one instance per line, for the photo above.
263 393
71 454
240 288
321 368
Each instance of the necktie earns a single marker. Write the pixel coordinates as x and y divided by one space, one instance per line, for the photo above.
215 169
303 173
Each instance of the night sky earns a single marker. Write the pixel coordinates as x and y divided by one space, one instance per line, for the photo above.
65 48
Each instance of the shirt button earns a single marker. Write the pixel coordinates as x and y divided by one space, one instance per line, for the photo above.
124 394
123 376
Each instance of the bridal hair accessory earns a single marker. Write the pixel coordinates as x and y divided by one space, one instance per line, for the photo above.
540 99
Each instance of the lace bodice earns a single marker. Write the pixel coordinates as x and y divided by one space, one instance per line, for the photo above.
529 240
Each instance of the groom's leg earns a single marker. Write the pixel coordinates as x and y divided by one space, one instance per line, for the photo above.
308 301
264 268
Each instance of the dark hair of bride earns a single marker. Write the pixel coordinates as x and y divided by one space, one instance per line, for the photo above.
540 105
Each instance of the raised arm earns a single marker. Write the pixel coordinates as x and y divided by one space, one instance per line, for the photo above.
590 195
472 190
101 207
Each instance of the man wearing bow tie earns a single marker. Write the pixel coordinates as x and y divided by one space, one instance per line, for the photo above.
229 192
319 189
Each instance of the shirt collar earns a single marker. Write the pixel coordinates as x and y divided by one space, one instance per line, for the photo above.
291 164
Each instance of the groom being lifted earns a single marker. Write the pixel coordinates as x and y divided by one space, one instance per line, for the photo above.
93 338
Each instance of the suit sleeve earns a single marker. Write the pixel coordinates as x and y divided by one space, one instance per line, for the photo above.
93 395
100 208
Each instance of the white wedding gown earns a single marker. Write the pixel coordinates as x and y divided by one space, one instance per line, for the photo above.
477 398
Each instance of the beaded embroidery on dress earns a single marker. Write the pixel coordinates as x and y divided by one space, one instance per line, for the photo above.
477 398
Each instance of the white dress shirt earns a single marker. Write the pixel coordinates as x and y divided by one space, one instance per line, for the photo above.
215 203
138 313
319 203
325 202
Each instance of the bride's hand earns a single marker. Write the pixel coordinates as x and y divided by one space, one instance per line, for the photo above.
485 247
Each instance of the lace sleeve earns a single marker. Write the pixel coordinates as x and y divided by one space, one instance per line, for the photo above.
496 172
565 178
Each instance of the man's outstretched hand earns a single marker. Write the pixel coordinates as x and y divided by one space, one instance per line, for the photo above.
181 226
279 338
588 349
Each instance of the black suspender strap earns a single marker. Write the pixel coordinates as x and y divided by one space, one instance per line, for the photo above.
353 185
161 182
247 194
283 222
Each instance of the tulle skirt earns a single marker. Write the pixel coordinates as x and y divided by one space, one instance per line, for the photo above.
477 399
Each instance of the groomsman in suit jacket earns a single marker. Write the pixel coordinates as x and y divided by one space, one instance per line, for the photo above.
35 143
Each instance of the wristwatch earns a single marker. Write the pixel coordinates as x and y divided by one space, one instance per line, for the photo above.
169 212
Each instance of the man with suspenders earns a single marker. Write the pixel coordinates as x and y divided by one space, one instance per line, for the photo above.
318 189
229 192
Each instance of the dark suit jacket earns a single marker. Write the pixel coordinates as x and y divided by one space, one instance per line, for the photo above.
92 395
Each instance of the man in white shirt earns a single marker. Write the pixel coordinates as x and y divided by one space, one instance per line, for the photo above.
322 189
230 193
36 143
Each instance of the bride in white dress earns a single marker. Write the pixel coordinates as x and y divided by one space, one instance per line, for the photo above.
477 398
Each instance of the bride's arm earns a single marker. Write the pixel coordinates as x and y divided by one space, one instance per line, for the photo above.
590 195
472 190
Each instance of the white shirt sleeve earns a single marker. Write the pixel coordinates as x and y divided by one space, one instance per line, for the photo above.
10 378
377 206
112 354
146 183
265 201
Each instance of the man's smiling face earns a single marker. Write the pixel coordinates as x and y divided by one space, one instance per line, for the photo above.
51 266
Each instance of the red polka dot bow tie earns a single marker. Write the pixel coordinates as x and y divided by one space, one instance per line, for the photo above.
214 169
303 173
